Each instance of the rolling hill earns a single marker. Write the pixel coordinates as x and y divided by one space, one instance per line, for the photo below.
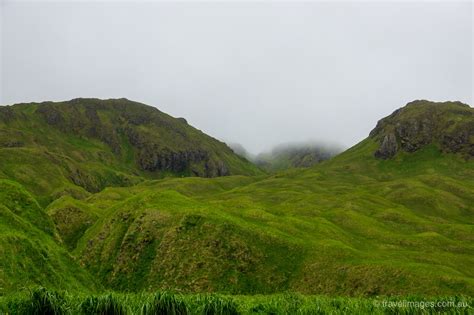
393 215
30 249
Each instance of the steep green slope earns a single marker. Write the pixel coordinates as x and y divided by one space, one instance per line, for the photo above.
29 251
358 224
85 145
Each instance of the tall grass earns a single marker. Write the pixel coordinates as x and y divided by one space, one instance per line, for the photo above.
165 303
107 304
42 301
217 305
38 301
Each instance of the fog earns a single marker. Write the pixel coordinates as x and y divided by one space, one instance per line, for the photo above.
258 74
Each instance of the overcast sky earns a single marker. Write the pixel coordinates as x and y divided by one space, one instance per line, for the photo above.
254 73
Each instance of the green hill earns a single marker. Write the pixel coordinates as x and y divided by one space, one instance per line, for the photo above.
393 215
84 145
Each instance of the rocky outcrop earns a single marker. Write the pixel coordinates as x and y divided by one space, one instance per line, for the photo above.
215 168
183 120
136 124
459 139
414 134
197 162
448 125
388 148
51 115
152 158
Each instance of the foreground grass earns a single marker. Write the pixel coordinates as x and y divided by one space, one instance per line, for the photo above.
43 301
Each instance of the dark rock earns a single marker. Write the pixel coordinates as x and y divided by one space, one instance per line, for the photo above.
50 114
414 134
388 148
181 119
459 140
215 168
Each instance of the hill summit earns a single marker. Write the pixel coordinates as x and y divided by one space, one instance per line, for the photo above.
448 125
92 143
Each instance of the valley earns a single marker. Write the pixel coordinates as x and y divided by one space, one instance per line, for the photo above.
113 195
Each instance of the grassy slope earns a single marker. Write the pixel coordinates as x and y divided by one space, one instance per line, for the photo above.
29 250
85 145
352 225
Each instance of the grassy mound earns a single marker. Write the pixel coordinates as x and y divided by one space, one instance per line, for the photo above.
29 250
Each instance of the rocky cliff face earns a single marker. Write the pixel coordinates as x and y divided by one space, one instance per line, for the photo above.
136 125
449 125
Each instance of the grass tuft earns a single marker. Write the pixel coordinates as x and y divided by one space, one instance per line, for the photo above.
107 304
214 304
165 303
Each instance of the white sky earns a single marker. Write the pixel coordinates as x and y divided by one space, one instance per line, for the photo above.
255 73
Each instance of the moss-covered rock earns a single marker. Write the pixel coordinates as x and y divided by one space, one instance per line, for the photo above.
449 125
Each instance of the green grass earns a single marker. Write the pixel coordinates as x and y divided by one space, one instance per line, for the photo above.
349 226
379 230
42 301
30 251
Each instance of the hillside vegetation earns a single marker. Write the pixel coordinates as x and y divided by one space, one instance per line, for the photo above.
84 145
393 215
30 250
